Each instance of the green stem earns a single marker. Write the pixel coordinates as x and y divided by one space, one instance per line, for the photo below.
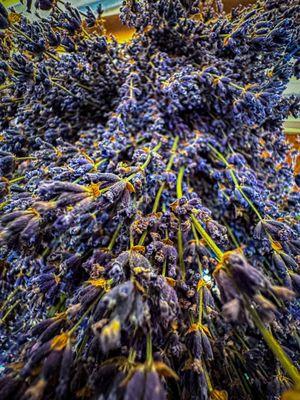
201 293
233 238
179 183
237 185
9 311
131 241
244 384
208 381
4 87
64 89
25 158
20 178
235 181
82 345
179 233
2 205
157 197
143 237
240 338
173 150
162 187
164 268
72 330
195 234
97 164
146 163
229 83
114 237
149 355
211 243
9 297
200 315
180 251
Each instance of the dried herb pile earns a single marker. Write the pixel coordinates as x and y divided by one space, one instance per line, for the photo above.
149 210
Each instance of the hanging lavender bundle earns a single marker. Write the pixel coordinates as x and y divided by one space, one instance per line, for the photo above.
149 210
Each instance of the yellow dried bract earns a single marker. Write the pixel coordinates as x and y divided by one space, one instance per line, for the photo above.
100 283
219 395
59 342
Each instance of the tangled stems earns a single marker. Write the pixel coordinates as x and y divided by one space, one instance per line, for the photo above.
161 188
273 344
20 32
235 181
169 166
9 311
275 347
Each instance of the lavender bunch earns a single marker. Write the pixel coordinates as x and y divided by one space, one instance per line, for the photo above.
149 210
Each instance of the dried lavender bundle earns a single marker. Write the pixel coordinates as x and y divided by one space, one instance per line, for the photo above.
149 212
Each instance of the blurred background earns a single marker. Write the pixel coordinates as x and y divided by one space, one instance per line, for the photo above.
111 10
122 34
112 6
